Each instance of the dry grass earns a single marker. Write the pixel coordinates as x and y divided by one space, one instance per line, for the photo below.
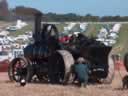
13 89
4 24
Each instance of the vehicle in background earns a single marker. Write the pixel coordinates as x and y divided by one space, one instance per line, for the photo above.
4 61
6 57
11 28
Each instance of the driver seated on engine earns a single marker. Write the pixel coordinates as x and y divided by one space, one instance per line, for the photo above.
81 71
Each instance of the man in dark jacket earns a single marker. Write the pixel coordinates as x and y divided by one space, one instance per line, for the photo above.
81 70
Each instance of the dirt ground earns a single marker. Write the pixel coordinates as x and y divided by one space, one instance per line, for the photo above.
13 89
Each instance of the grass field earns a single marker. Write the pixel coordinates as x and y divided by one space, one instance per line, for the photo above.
13 89
121 46
92 30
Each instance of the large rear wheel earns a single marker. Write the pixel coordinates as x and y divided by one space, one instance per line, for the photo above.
60 64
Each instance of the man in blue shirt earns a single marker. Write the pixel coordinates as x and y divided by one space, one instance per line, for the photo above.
81 70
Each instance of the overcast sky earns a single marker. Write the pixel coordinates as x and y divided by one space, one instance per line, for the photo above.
82 7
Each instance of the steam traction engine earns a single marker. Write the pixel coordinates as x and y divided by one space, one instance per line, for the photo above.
37 56
50 60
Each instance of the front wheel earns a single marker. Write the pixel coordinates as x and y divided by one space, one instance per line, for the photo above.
17 69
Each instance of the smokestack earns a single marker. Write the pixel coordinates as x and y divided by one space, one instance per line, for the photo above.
4 12
38 18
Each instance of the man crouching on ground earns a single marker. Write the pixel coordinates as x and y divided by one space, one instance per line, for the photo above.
81 71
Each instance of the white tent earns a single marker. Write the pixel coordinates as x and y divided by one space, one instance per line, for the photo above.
116 27
20 24
70 26
83 26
